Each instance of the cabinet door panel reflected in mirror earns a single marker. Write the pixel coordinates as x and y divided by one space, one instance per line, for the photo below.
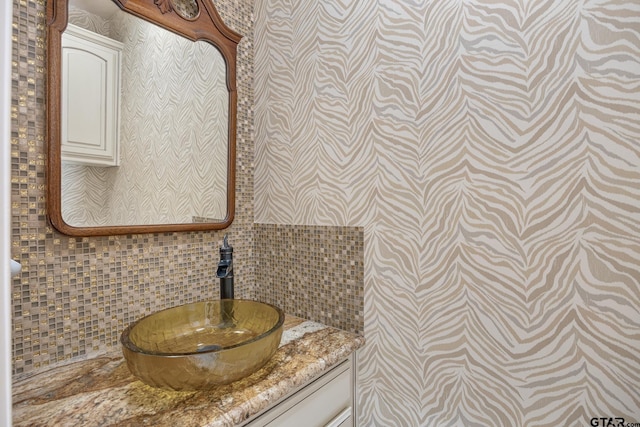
174 117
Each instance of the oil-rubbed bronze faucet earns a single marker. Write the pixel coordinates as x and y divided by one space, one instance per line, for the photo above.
225 270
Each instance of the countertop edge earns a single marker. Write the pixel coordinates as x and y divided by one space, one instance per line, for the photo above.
99 389
290 385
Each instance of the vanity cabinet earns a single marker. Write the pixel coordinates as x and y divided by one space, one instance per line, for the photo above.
90 104
328 401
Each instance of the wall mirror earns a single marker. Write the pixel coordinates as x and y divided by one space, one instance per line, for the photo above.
141 116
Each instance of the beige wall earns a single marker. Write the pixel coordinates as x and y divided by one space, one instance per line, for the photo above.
491 150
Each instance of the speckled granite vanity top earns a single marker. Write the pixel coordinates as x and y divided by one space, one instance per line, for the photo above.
100 391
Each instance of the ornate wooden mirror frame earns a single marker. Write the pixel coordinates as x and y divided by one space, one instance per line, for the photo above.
205 24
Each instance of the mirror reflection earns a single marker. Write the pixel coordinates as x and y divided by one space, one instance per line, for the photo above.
171 127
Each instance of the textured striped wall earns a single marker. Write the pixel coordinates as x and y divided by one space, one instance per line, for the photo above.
491 150
163 132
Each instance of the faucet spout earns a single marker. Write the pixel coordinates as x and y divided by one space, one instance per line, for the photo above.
225 270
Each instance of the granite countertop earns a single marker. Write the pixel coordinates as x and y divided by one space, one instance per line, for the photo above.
100 391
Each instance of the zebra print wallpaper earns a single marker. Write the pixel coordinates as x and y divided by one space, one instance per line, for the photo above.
491 151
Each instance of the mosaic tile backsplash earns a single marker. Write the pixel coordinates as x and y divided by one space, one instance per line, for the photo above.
315 272
75 295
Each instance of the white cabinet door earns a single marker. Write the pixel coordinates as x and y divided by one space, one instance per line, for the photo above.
90 97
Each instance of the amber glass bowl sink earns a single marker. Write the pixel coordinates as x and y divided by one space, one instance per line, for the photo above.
204 344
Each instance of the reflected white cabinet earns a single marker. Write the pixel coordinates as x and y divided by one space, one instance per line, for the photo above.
90 86
327 401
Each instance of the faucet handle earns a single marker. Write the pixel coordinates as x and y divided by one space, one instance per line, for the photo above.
226 251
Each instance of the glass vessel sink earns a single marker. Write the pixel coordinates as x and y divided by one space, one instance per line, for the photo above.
204 344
